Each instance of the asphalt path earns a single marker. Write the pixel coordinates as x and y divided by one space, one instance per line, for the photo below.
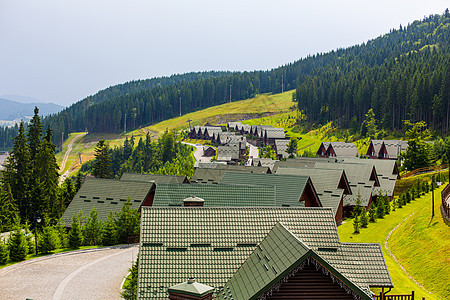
198 154
84 274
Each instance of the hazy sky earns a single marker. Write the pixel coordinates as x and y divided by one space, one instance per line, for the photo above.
62 51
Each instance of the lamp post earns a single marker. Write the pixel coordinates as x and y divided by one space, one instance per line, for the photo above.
37 219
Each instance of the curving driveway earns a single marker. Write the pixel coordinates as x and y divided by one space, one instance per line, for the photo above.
84 274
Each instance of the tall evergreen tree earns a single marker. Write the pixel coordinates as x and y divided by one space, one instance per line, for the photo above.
18 247
92 229
102 162
48 178
4 252
75 238
9 214
34 134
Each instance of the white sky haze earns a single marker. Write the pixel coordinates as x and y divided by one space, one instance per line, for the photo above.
62 51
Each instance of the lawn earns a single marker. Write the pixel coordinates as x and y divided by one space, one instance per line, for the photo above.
423 248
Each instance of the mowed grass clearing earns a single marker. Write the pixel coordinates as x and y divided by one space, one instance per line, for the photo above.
377 232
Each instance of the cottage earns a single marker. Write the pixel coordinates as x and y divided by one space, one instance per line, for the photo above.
281 147
386 149
330 185
157 178
228 153
217 245
341 149
209 151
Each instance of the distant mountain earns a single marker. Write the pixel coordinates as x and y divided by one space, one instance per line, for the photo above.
21 99
12 110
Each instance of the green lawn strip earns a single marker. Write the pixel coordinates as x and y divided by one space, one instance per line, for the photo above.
377 232
422 246
32 256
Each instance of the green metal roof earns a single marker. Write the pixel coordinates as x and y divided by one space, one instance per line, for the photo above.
221 195
106 195
206 175
157 178
325 182
279 254
210 244
289 187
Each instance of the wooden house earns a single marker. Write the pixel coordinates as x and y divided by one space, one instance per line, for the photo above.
341 149
271 134
281 147
209 151
386 149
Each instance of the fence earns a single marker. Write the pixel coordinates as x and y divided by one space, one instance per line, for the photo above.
445 205
424 170
395 297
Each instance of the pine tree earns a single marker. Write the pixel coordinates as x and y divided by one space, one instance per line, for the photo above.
9 214
17 173
78 181
356 224
292 147
102 162
75 238
67 192
18 248
127 222
48 240
48 178
34 135
92 229
109 233
4 252
380 210
364 219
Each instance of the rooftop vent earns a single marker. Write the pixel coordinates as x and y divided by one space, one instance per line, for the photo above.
191 290
193 201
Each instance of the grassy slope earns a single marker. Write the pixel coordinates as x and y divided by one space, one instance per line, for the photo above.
250 108
432 242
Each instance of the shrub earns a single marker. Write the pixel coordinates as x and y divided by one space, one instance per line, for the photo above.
364 220
92 229
48 240
109 233
75 238
409 196
130 286
4 252
18 247
372 213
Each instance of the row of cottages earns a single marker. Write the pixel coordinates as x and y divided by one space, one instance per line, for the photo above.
337 149
243 129
204 132
386 149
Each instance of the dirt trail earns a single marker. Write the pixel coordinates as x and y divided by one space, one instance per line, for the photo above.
66 157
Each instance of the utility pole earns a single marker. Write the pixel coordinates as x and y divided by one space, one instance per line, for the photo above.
432 196
282 83
189 124
125 124
180 106
230 93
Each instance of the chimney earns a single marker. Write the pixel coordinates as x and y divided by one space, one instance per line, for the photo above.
191 290
193 201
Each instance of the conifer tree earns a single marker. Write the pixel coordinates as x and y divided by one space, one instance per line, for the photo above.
18 247
4 252
364 219
372 213
78 182
356 224
109 233
9 214
102 162
48 178
92 229
48 240
17 173
67 192
127 222
75 237
34 134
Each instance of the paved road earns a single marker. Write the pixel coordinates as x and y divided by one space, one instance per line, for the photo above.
198 154
88 274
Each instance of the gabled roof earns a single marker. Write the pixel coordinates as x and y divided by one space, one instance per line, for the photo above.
221 195
326 184
277 257
207 175
210 244
264 162
393 147
227 153
387 173
274 133
289 188
157 178
281 147
106 195
342 149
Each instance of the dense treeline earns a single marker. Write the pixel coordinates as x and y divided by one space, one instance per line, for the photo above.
163 156
404 75
6 136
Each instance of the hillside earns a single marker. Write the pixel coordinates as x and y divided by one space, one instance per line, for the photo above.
12 110
352 73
